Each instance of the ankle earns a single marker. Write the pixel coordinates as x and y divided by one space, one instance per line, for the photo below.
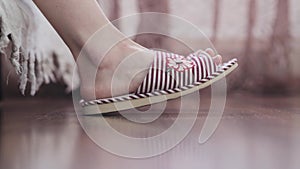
79 37
125 46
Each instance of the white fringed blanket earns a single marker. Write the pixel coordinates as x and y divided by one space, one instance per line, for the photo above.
33 47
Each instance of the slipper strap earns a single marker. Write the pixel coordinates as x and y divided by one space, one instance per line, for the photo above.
170 71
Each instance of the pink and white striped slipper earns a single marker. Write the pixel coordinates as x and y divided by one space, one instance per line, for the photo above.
170 76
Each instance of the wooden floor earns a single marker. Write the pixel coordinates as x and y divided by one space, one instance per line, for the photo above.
256 132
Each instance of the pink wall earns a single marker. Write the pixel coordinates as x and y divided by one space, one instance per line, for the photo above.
262 34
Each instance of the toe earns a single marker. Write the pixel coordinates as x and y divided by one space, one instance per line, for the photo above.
217 59
210 51
198 52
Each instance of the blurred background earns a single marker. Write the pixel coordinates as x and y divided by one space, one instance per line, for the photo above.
263 35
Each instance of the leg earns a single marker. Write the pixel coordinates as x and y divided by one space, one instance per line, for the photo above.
76 21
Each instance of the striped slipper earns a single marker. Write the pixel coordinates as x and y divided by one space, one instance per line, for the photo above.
170 76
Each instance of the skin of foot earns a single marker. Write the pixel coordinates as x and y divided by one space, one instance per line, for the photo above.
121 71
104 71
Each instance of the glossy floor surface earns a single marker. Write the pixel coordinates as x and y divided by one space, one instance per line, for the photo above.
255 132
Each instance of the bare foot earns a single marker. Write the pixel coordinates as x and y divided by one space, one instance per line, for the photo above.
121 71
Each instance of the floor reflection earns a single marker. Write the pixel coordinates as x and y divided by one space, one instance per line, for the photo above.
255 132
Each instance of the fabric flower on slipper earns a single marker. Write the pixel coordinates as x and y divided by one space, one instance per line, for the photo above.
179 63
